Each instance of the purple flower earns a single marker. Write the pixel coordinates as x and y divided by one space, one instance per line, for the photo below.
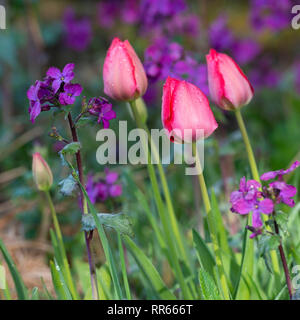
105 188
101 108
114 189
90 189
284 192
78 32
58 77
220 37
71 91
40 97
245 50
270 14
263 74
248 199
130 12
34 101
155 11
280 173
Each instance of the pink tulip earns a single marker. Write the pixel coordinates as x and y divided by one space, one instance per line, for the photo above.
184 106
42 174
229 87
123 73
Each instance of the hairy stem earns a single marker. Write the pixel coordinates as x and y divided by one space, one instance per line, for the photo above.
85 211
284 262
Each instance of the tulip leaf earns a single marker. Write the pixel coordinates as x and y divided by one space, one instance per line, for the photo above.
120 222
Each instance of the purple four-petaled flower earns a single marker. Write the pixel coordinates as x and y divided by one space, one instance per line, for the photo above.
71 91
58 77
102 108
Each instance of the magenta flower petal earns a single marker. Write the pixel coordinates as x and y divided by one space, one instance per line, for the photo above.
53 72
266 206
115 190
256 219
242 206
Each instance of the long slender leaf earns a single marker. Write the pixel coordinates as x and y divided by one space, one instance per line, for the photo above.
149 271
209 290
123 267
59 283
19 284
104 241
205 257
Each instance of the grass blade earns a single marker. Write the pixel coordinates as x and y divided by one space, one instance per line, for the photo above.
19 284
149 271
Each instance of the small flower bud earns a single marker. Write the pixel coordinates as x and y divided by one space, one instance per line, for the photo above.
42 174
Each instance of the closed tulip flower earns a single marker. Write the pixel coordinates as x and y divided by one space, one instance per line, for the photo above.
42 174
229 87
184 106
123 73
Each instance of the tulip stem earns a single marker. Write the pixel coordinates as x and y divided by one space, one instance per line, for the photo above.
161 210
88 239
211 227
61 246
247 143
249 244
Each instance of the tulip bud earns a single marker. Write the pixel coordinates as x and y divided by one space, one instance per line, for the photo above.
123 73
184 106
229 87
42 174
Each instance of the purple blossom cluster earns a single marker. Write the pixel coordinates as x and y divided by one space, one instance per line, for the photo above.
270 14
153 17
163 59
109 11
78 32
253 197
222 38
105 188
56 89
101 108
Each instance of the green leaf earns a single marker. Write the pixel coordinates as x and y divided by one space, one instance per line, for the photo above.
86 121
282 220
268 242
35 294
205 257
104 240
70 149
59 283
149 271
209 290
67 185
19 284
120 222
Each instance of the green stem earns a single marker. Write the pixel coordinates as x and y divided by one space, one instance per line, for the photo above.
249 150
61 246
175 227
255 175
212 228
162 211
